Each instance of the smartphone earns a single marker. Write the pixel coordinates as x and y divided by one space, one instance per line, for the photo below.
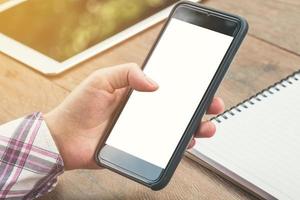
150 133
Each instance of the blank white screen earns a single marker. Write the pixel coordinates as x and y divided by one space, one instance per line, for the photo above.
183 64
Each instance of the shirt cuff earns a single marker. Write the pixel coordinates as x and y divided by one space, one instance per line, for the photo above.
30 160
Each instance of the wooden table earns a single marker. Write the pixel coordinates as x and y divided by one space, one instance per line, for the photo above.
270 52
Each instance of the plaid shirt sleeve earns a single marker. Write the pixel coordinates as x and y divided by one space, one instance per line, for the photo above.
29 160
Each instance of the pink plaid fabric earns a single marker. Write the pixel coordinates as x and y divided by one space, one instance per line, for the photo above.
29 160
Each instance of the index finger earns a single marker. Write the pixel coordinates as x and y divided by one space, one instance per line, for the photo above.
216 107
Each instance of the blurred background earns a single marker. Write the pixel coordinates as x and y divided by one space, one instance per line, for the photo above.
63 28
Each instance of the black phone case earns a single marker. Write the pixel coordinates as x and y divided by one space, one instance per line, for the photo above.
202 107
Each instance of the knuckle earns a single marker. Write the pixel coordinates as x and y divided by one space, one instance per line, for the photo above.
133 65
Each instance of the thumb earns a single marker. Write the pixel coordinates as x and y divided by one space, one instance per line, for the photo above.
127 75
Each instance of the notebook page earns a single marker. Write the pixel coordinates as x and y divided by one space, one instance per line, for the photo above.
261 144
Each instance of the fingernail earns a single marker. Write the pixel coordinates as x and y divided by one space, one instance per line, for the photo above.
151 82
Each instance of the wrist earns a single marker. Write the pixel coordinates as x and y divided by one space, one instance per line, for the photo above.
64 136
57 135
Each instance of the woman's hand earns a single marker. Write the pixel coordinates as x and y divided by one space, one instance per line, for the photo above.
78 124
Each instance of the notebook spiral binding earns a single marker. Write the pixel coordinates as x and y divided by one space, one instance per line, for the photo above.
265 93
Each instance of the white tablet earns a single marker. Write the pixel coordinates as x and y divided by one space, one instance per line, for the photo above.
52 36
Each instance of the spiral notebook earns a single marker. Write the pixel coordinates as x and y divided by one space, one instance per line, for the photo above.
257 143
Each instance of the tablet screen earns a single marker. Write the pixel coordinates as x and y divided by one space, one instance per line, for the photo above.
61 29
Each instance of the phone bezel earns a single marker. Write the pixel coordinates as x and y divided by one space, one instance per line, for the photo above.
105 153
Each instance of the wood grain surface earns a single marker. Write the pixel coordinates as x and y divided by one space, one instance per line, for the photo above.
270 52
273 21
